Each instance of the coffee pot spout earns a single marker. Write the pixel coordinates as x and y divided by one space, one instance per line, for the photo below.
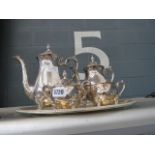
29 90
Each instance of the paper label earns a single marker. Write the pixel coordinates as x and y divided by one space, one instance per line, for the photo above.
59 92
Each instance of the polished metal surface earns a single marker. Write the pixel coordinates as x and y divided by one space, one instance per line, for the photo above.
96 73
136 119
48 78
99 85
51 90
49 111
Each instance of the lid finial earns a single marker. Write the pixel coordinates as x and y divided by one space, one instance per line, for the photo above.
48 47
92 59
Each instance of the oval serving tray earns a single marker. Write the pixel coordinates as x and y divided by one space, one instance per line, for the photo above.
34 110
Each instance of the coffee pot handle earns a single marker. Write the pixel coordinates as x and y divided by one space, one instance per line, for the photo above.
120 87
74 66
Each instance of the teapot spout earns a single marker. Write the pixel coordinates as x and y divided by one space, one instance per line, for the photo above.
29 90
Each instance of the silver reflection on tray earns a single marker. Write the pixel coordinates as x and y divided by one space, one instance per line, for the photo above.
55 91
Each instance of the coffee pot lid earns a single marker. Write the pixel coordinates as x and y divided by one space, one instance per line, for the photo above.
48 53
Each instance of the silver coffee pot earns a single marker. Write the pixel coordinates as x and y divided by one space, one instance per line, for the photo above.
48 77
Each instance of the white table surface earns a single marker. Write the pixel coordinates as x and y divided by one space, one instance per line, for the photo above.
136 119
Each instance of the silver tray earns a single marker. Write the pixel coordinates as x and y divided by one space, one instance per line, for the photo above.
34 110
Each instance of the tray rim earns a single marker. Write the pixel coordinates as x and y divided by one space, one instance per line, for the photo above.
121 104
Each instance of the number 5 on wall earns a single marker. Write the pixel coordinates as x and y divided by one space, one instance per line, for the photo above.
79 49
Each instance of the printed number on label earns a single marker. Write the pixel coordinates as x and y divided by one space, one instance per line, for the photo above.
59 92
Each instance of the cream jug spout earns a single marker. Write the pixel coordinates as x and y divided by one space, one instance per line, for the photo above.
29 90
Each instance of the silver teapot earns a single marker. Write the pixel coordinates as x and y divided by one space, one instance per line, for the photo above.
99 88
96 73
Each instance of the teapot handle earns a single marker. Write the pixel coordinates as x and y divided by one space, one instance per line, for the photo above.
120 86
111 72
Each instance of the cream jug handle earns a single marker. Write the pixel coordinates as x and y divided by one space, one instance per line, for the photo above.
120 87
